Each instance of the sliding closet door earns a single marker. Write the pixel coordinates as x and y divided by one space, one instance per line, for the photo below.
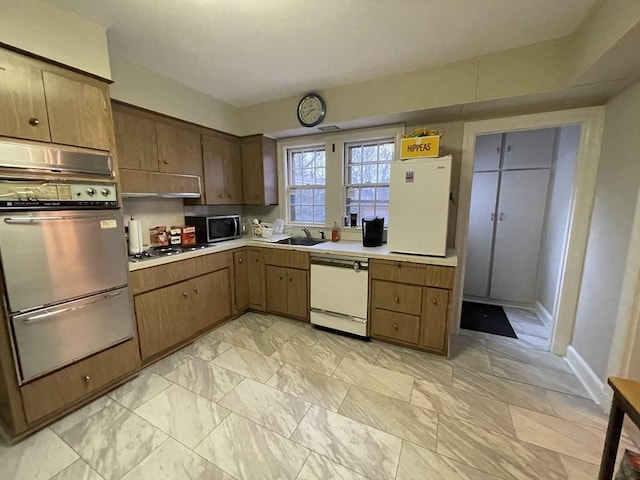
484 190
521 208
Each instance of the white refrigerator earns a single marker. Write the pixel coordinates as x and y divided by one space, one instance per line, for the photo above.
419 206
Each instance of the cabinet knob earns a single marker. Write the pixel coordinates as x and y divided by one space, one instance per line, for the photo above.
229 197
86 379
166 162
396 299
395 326
239 260
434 300
291 279
221 195
184 294
281 277
257 260
34 121
195 289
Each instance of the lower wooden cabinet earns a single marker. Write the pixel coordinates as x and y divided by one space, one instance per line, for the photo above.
169 315
409 304
257 293
287 291
241 279
71 384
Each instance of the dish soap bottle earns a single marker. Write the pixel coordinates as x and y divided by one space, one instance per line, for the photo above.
335 232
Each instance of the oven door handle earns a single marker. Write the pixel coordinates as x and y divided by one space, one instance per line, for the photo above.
50 218
51 313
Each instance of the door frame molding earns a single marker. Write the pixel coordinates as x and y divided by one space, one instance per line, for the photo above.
591 120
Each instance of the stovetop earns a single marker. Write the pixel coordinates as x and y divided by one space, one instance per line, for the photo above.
155 252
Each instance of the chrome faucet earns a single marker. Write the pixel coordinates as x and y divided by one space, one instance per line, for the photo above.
306 232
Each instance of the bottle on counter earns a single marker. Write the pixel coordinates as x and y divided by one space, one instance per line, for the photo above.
335 232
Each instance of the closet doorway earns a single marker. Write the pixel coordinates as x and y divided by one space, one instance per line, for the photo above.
521 193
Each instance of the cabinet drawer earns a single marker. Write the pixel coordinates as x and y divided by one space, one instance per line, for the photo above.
398 326
397 297
286 258
441 277
397 271
64 387
155 277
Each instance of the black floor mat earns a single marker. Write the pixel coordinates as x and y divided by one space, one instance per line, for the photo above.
486 318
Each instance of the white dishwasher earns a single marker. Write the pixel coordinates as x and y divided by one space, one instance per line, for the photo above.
339 287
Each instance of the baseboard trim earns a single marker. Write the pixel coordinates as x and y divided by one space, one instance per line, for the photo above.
594 386
543 314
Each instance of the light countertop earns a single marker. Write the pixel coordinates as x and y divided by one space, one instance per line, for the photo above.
352 249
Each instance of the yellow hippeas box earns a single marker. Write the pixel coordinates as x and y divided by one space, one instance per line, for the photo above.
416 147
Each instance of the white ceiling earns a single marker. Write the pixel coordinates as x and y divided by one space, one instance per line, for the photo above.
251 51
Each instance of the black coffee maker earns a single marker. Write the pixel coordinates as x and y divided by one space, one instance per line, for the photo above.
372 229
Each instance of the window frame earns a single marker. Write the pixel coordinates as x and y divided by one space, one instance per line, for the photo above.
289 187
347 180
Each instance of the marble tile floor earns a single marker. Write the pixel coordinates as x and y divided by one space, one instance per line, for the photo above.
264 398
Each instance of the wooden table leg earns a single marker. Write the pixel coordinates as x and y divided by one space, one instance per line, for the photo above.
608 463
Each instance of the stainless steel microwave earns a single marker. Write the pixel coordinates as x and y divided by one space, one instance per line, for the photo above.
215 229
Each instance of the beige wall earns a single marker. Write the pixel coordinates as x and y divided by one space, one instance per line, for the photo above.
617 190
141 87
41 28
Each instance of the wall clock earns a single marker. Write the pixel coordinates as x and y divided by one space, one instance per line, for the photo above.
311 110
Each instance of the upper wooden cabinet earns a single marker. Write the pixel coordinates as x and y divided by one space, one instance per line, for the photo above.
46 103
179 149
24 112
135 141
222 170
78 112
259 171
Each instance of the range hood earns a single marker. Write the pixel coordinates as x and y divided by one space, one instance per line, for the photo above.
142 184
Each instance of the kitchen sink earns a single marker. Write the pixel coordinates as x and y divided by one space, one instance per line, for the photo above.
301 241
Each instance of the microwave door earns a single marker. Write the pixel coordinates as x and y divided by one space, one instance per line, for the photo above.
223 228
50 257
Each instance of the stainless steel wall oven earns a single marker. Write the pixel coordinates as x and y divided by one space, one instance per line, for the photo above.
63 256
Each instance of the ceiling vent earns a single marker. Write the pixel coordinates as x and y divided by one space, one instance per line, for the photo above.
329 128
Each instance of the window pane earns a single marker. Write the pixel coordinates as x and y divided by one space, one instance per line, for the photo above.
307 159
307 197
384 172
296 160
382 194
318 196
355 174
355 154
321 159
385 152
368 194
369 173
383 212
296 214
318 214
369 153
367 211
308 176
320 176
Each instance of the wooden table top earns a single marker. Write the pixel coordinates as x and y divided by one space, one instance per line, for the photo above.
629 390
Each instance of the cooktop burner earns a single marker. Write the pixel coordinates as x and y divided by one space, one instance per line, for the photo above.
155 252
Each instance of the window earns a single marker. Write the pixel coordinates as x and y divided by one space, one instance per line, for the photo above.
306 179
367 173
326 177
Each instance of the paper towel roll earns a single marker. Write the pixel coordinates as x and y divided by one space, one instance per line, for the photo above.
135 237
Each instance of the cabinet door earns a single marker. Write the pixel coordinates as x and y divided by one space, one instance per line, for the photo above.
23 113
276 287
298 293
78 112
212 299
487 152
252 173
522 204
179 150
222 170
255 262
164 317
529 149
482 216
241 279
435 308
135 142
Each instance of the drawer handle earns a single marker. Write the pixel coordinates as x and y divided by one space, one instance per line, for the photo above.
434 300
395 326
195 289
184 294
396 299
34 122
86 379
